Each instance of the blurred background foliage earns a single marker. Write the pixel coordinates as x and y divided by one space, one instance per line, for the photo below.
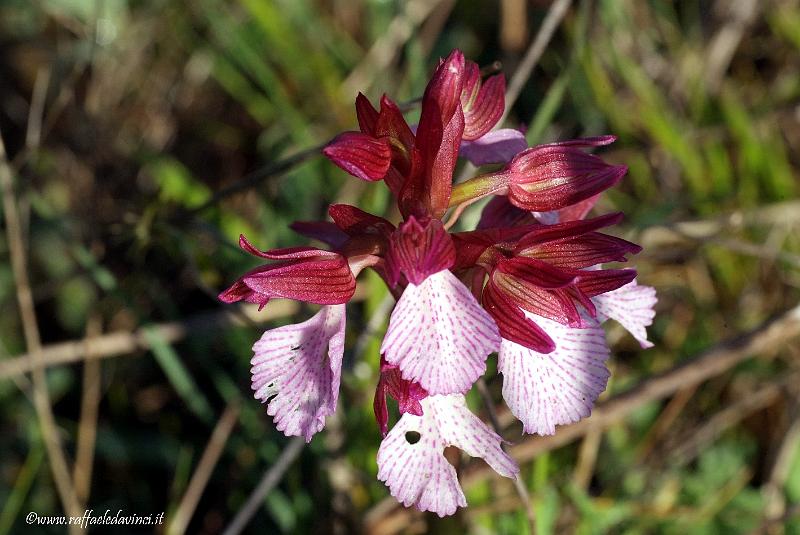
122 119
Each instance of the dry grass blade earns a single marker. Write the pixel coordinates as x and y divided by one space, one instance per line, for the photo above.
87 428
587 459
212 453
267 483
386 48
696 440
124 342
41 397
554 16
259 175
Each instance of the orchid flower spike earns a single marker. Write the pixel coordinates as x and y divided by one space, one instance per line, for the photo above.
530 283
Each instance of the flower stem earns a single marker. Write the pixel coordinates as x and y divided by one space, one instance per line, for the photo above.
478 187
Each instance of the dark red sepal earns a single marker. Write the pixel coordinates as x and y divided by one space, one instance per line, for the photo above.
407 394
419 248
441 125
324 231
545 233
513 324
483 102
367 115
583 251
361 155
355 221
600 281
323 280
499 212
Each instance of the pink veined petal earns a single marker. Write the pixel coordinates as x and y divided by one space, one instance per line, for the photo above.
296 370
498 146
418 474
545 390
632 306
439 335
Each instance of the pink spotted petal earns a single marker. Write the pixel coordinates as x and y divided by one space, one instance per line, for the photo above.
439 335
632 306
418 474
545 390
296 370
498 146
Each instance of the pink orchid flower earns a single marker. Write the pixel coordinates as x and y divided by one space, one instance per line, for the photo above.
528 284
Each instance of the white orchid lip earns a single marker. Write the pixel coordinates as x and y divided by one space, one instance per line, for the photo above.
296 371
411 458
439 335
632 306
548 389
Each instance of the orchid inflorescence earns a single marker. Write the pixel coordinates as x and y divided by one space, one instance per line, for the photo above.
528 283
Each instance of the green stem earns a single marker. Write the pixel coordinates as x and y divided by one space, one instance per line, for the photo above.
477 187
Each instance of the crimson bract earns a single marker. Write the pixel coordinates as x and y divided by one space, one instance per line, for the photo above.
528 284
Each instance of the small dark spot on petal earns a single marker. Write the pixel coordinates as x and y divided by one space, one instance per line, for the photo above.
412 437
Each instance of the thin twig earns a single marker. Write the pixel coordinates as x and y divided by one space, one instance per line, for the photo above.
456 213
782 460
375 322
522 491
783 213
551 21
259 175
124 342
710 363
695 441
587 459
271 478
87 426
212 453
41 397
665 420
33 134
